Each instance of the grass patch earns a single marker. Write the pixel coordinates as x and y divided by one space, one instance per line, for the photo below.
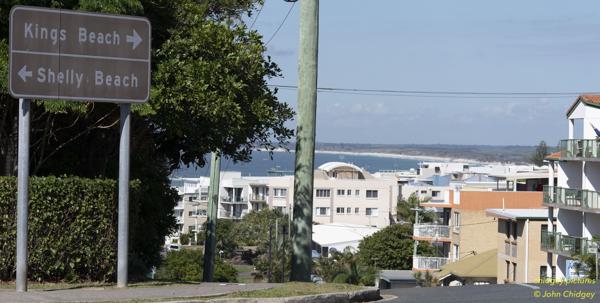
292 289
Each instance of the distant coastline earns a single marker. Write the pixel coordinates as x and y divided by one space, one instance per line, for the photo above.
400 156
390 155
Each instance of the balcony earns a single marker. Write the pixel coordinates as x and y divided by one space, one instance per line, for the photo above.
564 245
580 149
431 232
429 263
258 198
225 214
569 198
231 200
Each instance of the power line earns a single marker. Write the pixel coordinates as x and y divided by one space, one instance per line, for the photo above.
256 17
280 25
431 93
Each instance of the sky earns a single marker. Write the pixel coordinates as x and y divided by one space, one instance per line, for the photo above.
475 46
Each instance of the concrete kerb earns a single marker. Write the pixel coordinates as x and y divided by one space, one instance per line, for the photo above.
367 295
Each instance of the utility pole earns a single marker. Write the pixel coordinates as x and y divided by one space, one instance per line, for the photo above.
270 270
416 245
283 254
211 222
305 141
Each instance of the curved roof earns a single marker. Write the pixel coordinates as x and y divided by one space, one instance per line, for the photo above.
329 166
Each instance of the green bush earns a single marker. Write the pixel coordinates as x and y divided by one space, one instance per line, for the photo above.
72 228
186 265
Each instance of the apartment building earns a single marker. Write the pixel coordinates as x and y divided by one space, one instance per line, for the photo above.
519 233
343 193
190 211
463 228
573 190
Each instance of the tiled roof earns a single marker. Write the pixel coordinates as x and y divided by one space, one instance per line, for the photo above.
553 156
593 100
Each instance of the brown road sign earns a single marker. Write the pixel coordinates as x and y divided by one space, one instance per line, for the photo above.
64 54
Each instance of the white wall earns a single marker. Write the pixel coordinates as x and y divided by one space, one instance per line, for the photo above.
592 176
570 222
569 174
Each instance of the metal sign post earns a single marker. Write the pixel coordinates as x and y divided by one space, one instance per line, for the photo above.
63 54
22 193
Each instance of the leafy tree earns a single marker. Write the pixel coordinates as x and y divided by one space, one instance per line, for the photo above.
405 211
209 92
391 248
186 265
184 239
253 229
344 267
226 240
541 151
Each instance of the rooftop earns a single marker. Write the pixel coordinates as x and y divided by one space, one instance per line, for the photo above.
516 213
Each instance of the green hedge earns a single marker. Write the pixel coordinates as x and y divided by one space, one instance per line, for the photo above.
72 228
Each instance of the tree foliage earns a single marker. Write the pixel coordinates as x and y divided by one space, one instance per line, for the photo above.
541 151
186 265
405 212
344 267
209 93
72 229
391 248
253 229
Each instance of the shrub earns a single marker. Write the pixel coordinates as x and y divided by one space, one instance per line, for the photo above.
72 228
186 265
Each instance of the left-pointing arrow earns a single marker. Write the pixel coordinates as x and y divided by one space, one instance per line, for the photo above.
24 73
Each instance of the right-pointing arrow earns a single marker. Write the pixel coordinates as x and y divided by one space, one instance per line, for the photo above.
135 39
24 73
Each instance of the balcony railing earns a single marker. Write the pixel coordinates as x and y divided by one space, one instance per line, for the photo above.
258 198
233 200
429 263
558 243
579 148
433 231
570 197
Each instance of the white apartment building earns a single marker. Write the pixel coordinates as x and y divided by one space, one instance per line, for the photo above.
575 194
343 193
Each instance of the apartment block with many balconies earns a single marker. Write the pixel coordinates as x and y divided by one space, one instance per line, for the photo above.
573 189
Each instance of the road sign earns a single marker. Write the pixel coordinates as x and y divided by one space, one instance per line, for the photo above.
592 247
64 54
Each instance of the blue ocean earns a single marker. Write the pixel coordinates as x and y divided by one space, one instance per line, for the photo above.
263 163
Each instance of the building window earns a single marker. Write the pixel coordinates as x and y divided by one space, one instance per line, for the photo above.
202 212
437 169
507 271
191 229
356 210
341 192
280 192
349 210
423 191
191 199
357 192
456 252
514 231
372 212
372 194
456 220
435 193
190 214
514 272
348 192
339 210
322 211
553 272
323 193
507 228
543 272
